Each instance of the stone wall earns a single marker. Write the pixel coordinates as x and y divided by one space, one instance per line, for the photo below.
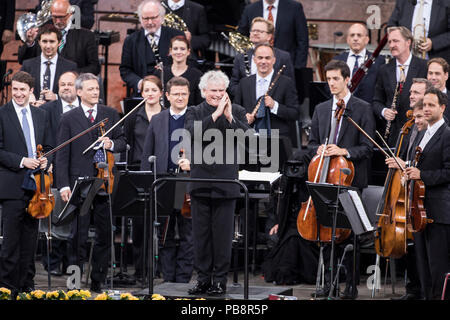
339 10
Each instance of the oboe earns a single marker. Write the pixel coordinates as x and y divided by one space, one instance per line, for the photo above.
393 107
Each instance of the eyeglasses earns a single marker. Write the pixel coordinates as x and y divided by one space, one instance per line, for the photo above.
258 31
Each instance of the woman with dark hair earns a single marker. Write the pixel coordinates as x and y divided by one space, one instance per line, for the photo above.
180 50
135 127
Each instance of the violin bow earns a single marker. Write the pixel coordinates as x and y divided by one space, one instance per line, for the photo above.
114 126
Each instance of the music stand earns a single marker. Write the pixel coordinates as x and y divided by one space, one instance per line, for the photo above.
330 213
131 197
83 194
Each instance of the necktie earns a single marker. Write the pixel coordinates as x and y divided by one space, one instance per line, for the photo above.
154 46
336 130
402 78
356 66
26 132
63 40
270 16
47 75
91 117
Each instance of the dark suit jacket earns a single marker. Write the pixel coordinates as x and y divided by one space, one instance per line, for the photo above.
201 115
33 67
291 32
54 113
13 148
81 47
439 31
194 15
366 87
359 147
239 67
134 66
283 92
70 160
434 166
157 142
384 93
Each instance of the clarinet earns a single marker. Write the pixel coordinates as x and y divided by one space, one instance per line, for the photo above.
255 110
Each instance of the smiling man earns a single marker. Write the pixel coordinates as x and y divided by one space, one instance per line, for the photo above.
71 164
433 244
22 129
48 67
437 73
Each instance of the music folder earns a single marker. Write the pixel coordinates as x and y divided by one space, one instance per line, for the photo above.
355 211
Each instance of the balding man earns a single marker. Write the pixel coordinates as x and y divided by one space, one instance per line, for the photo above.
357 55
145 48
77 45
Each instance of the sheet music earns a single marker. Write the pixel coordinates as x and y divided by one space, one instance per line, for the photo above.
270 177
360 208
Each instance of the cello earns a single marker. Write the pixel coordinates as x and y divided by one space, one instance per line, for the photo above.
325 169
392 232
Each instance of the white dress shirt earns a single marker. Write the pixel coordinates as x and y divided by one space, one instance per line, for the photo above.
175 5
351 59
426 14
274 11
156 36
52 71
262 85
18 110
430 133
65 105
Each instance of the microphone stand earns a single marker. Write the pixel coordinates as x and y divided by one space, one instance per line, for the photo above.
336 280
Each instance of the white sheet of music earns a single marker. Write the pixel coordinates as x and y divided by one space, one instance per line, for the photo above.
271 177
360 208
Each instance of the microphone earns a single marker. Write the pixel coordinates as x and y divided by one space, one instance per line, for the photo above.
151 159
7 73
348 247
346 171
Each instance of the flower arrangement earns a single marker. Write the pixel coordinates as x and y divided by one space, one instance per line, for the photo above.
5 294
78 294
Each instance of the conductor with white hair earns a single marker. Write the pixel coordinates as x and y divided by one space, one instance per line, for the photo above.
213 203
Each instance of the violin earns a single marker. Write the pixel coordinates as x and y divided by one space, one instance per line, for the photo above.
43 201
324 169
186 208
417 217
106 172
392 232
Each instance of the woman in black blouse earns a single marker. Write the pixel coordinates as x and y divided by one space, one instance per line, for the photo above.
135 127
179 51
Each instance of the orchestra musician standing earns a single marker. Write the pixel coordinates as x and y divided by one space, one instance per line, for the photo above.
22 128
349 143
72 164
397 74
437 73
433 169
162 140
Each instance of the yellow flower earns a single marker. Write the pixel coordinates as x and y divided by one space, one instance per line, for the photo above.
128 296
85 293
37 294
5 294
103 296
156 296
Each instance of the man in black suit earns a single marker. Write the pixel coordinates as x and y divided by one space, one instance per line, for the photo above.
143 50
281 103
7 15
437 73
433 249
357 40
398 73
346 141
436 15
194 15
67 100
77 45
22 128
213 204
291 31
48 66
71 164
176 256
261 31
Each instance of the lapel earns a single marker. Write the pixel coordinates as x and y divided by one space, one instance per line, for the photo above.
15 121
58 72
434 139
278 19
326 120
164 138
141 49
392 74
436 8
187 13
252 89
408 13
36 125
412 147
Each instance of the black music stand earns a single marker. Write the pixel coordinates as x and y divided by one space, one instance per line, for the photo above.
80 201
331 213
131 197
